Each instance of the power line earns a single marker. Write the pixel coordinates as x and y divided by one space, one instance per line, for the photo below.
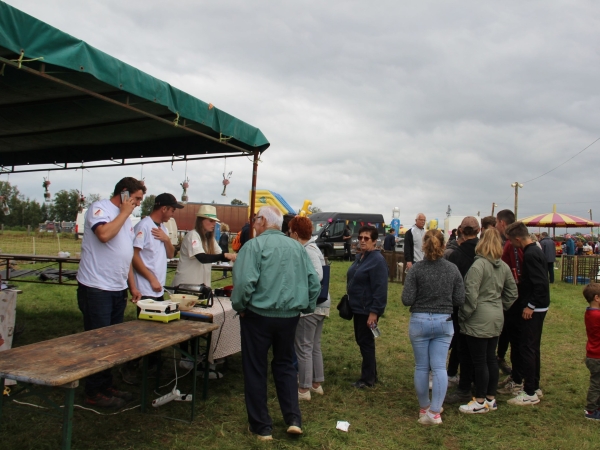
562 164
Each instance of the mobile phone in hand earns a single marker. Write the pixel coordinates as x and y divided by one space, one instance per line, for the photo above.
124 196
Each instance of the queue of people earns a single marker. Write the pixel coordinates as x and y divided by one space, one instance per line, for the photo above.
470 296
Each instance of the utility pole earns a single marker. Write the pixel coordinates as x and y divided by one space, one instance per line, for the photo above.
591 220
493 206
516 185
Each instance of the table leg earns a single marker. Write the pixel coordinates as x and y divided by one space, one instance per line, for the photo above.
194 375
68 418
1 396
144 399
206 367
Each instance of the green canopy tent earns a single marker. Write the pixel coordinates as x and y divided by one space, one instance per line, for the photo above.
65 104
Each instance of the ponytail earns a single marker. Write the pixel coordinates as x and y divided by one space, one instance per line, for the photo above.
433 245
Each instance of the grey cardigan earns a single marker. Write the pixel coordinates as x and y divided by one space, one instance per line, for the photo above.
433 287
490 288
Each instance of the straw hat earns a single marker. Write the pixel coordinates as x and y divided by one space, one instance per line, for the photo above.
208 212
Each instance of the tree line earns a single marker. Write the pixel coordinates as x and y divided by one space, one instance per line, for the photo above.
25 212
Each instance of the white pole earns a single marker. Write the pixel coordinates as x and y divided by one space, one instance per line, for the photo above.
33 244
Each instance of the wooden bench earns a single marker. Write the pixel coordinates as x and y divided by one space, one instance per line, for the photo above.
63 361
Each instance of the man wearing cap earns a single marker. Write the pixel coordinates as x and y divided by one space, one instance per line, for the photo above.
104 273
274 282
151 248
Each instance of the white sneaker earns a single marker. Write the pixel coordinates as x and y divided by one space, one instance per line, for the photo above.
522 399
430 419
186 363
318 390
539 393
511 388
454 380
304 395
491 406
422 411
474 407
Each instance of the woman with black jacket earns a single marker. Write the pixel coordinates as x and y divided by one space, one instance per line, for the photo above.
367 280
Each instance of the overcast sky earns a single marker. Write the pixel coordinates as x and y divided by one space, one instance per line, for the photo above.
368 105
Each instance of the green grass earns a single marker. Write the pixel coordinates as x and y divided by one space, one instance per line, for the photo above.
384 417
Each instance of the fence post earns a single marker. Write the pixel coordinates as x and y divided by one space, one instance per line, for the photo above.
33 238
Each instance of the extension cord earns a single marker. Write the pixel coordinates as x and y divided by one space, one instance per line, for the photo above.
184 398
173 395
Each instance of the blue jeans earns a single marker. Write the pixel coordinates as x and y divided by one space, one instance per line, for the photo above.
100 309
430 336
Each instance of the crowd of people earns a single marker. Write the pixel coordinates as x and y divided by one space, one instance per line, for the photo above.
470 299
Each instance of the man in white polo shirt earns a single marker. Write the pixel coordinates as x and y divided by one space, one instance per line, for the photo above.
104 273
151 249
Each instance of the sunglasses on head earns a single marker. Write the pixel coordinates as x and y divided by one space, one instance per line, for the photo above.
364 238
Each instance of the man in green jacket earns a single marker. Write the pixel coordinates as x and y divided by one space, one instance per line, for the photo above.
274 282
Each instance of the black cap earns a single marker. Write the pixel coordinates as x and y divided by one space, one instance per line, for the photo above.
167 200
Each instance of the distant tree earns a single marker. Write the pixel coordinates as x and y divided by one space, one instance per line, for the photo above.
314 209
91 198
235 201
22 212
148 205
66 205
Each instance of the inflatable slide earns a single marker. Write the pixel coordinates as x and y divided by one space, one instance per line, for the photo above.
267 197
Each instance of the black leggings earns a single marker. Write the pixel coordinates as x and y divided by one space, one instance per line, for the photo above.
485 365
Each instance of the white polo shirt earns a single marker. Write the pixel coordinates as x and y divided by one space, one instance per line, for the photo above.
153 254
105 265
418 235
189 269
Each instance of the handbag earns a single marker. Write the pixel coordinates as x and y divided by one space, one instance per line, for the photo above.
344 308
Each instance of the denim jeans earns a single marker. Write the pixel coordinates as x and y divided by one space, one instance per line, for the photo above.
430 336
100 309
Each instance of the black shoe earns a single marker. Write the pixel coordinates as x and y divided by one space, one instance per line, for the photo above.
294 428
129 375
504 367
102 401
361 385
113 392
457 396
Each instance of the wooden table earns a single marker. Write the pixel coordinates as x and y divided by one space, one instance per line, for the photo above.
64 361
38 259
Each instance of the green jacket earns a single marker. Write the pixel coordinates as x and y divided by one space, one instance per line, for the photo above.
489 288
274 277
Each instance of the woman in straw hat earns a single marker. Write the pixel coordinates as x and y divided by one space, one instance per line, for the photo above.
199 249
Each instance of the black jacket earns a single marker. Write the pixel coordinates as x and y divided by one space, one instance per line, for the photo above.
464 256
389 243
409 247
534 288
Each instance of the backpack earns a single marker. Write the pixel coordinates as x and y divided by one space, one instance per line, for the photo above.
236 244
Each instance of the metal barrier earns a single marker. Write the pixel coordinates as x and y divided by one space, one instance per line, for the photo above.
580 269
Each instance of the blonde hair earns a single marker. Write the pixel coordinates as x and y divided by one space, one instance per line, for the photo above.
224 227
490 245
433 245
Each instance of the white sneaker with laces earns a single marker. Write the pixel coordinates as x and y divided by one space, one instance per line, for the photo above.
318 390
422 411
539 393
522 399
511 388
491 406
430 419
474 407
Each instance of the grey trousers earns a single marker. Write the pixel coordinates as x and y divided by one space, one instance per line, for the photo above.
308 350
593 396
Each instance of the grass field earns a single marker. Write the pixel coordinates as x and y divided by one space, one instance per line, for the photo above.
384 417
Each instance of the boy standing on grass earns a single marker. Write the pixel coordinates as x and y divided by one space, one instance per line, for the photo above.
592 327
534 298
